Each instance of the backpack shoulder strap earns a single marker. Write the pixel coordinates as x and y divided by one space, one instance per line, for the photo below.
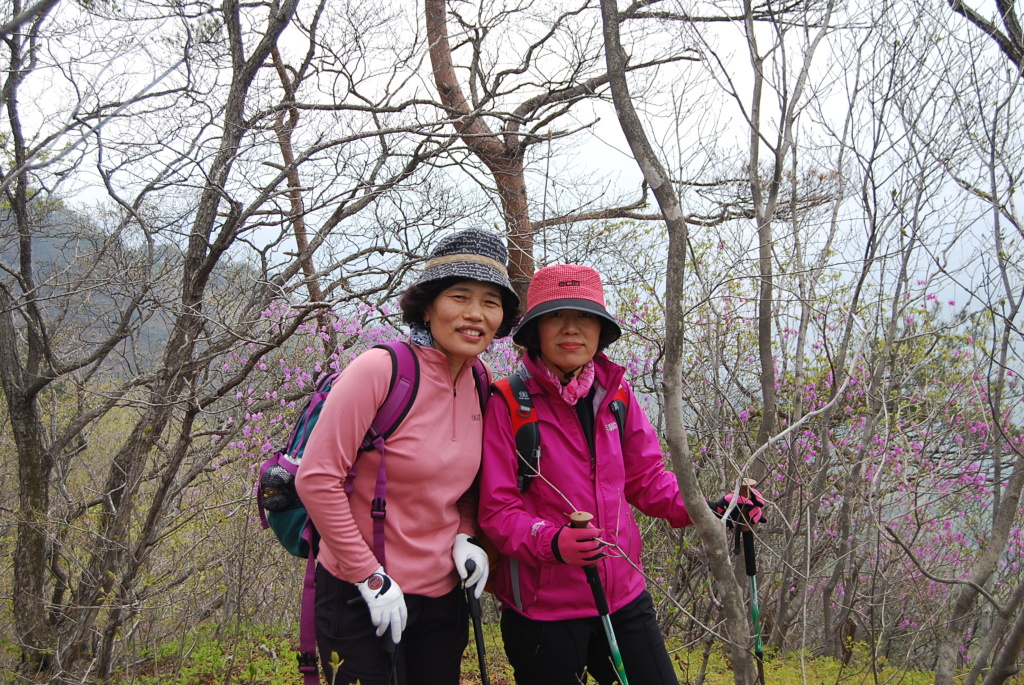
405 381
618 407
524 427
483 383
296 444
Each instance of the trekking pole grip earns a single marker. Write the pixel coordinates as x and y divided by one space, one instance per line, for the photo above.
474 603
582 519
749 558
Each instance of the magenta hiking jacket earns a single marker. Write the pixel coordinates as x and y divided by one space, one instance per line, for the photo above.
626 472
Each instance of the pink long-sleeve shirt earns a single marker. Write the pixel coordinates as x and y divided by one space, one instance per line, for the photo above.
431 462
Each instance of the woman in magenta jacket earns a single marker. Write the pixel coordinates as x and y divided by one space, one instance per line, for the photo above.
549 620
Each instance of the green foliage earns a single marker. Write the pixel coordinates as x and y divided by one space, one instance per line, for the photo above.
264 655
797 668
498 669
11 652
254 655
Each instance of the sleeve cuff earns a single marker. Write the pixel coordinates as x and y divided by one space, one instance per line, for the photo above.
545 534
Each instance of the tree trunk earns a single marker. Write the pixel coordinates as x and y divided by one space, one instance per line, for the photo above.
504 162
709 528
19 372
61 632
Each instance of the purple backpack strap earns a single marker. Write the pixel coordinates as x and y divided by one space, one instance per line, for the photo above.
483 383
405 380
307 617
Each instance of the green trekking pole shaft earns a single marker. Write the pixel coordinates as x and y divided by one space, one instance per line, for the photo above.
750 561
755 610
581 519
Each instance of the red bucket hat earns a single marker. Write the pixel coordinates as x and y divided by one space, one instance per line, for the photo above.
565 286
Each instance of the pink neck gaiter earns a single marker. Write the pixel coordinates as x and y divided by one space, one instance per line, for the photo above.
572 391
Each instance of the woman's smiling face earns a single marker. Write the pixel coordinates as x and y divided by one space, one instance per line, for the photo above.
463 319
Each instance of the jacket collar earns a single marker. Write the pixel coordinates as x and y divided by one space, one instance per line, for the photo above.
608 375
431 356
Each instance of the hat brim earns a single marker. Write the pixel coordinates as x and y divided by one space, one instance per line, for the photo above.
469 271
518 337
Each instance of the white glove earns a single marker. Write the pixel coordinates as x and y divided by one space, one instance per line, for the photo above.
467 548
386 602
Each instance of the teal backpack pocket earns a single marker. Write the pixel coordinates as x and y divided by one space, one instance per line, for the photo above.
290 528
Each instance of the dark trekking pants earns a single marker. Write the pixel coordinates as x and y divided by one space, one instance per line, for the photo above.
562 652
429 653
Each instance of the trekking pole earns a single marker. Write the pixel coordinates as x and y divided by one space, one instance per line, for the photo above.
750 561
474 612
391 649
387 645
755 610
580 519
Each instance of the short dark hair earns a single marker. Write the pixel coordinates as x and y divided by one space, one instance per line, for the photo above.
531 338
416 298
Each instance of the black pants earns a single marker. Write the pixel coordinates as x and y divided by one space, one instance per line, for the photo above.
562 652
429 653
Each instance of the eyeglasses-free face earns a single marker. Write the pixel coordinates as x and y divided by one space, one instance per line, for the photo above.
568 339
463 319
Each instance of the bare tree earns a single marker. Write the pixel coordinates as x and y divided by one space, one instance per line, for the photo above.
708 527
257 196
136 339
539 101
986 104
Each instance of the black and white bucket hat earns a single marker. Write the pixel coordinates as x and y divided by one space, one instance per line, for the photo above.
472 254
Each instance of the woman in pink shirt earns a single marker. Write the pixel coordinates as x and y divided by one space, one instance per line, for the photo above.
458 305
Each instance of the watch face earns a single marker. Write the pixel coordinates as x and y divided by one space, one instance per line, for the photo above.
376 582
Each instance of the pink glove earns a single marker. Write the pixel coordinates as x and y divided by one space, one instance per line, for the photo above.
578 546
755 512
751 507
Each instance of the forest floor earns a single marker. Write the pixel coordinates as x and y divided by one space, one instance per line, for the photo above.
256 657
